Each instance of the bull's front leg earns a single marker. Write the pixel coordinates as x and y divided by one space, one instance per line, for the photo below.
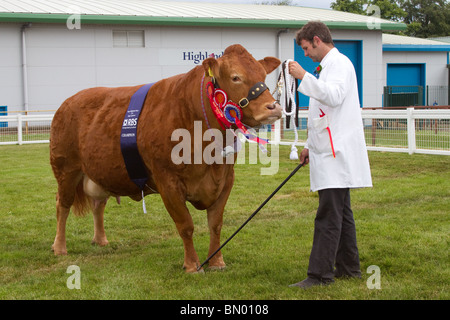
176 206
185 227
215 222
215 218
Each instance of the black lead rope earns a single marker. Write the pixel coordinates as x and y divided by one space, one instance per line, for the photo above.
254 213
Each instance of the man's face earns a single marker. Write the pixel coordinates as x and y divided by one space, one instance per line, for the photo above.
311 50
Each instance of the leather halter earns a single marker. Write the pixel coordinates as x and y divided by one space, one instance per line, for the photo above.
253 93
227 112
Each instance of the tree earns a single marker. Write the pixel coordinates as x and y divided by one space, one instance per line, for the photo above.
389 9
427 18
355 6
424 18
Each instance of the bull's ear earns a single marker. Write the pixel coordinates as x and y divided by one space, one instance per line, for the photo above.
270 63
211 65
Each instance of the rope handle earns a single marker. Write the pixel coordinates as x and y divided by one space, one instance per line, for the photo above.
287 81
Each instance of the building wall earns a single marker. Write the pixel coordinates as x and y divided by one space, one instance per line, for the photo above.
61 62
436 72
10 66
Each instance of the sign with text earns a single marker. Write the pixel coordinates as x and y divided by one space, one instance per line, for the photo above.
186 56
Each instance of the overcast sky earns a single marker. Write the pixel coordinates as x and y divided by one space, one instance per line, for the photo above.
325 4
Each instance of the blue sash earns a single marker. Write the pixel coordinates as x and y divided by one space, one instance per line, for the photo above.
128 138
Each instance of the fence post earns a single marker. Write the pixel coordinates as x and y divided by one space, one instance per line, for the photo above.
411 125
386 96
19 129
374 131
276 134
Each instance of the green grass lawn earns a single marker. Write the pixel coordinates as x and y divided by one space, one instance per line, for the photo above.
402 225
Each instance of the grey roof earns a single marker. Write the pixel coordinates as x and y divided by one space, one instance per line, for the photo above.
442 39
184 13
392 42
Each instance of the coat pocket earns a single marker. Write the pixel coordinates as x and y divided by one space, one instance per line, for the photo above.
322 140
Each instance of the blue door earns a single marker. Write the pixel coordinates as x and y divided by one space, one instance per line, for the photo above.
352 49
3 112
405 74
407 77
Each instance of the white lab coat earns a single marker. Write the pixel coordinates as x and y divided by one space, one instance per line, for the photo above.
334 103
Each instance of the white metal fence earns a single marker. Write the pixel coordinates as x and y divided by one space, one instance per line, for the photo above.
25 129
408 130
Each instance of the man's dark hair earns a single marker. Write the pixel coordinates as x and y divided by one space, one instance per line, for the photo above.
312 29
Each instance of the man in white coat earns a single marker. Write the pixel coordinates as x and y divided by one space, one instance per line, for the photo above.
337 154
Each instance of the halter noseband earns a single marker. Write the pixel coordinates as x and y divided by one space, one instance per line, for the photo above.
253 93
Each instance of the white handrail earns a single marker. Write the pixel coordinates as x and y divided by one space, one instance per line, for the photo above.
23 126
19 123
409 114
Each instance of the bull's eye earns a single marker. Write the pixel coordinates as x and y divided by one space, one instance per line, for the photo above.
236 79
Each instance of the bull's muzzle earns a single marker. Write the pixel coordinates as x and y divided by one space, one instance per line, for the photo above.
274 106
275 113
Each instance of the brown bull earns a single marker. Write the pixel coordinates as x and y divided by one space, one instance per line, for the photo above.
86 158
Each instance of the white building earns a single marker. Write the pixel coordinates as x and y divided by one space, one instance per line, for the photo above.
52 49
414 62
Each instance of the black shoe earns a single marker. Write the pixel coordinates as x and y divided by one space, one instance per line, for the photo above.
310 282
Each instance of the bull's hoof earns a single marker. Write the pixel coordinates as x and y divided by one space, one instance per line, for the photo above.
193 270
100 242
217 263
215 268
59 251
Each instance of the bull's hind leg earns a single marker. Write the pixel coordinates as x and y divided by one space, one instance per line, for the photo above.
99 229
98 197
67 185
59 245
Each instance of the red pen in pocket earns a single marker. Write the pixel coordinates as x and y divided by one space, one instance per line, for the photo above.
322 114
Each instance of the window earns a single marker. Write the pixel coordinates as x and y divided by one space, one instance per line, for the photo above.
128 39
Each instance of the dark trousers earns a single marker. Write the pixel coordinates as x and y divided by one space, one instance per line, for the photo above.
334 252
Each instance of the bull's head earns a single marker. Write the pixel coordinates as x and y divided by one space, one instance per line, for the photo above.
237 72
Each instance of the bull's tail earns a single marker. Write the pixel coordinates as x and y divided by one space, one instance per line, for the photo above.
81 204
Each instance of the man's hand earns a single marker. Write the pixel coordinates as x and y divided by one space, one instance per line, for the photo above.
296 70
304 156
